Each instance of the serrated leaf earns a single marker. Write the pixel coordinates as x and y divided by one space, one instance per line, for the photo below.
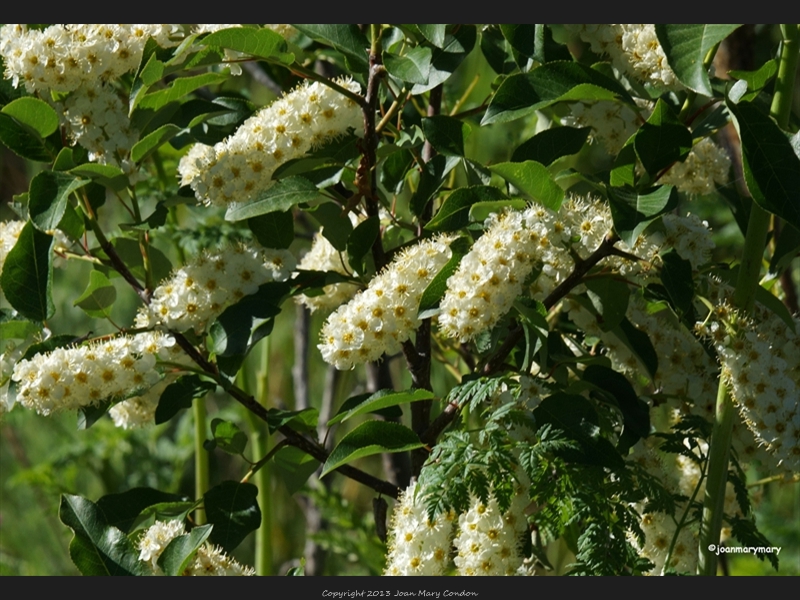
551 144
33 113
413 67
274 229
99 295
360 242
179 395
347 39
633 211
454 212
372 437
610 298
521 37
25 142
49 194
446 134
662 140
553 82
262 43
282 196
180 552
27 276
228 437
120 510
152 141
533 180
232 508
686 47
97 548
380 400
771 166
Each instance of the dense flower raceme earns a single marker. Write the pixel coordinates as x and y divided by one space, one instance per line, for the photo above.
240 167
382 317
707 166
78 376
633 48
324 257
491 275
210 560
612 123
418 545
200 291
63 58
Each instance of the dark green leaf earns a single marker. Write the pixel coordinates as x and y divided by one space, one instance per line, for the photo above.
179 395
49 194
394 170
120 510
633 211
294 467
521 37
336 225
445 60
676 274
496 50
178 89
434 33
228 437
180 552
454 212
154 220
33 113
283 195
610 298
771 166
379 400
446 134
27 276
438 285
639 344
551 144
372 437
756 80
24 141
98 297
65 160
152 141
430 180
686 47
347 39
232 509
97 548
300 420
546 49
360 243
91 414
553 82
414 67
390 413
130 253
263 43
662 140
635 411
533 180
786 249
274 229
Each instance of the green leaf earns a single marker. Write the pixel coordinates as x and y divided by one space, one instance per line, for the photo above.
360 242
434 33
294 467
632 211
49 194
551 144
336 225
106 175
120 510
300 420
180 552
282 196
454 212
347 39
228 437
524 93
638 342
431 179
438 285
480 211
771 165
445 60
34 113
25 142
756 80
662 140
13 329
274 229
130 253
394 170
521 37
372 437
179 395
232 508
413 67
152 141
99 295
786 249
380 400
97 548
533 180
178 89
262 43
686 47
635 411
496 50
446 134
27 276
676 274
609 297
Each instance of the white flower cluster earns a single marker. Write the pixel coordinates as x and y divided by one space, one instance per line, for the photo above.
209 561
488 541
324 257
140 411
200 291
760 359
612 123
690 237
418 545
382 317
659 531
240 167
63 58
633 49
707 166
74 377
491 275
